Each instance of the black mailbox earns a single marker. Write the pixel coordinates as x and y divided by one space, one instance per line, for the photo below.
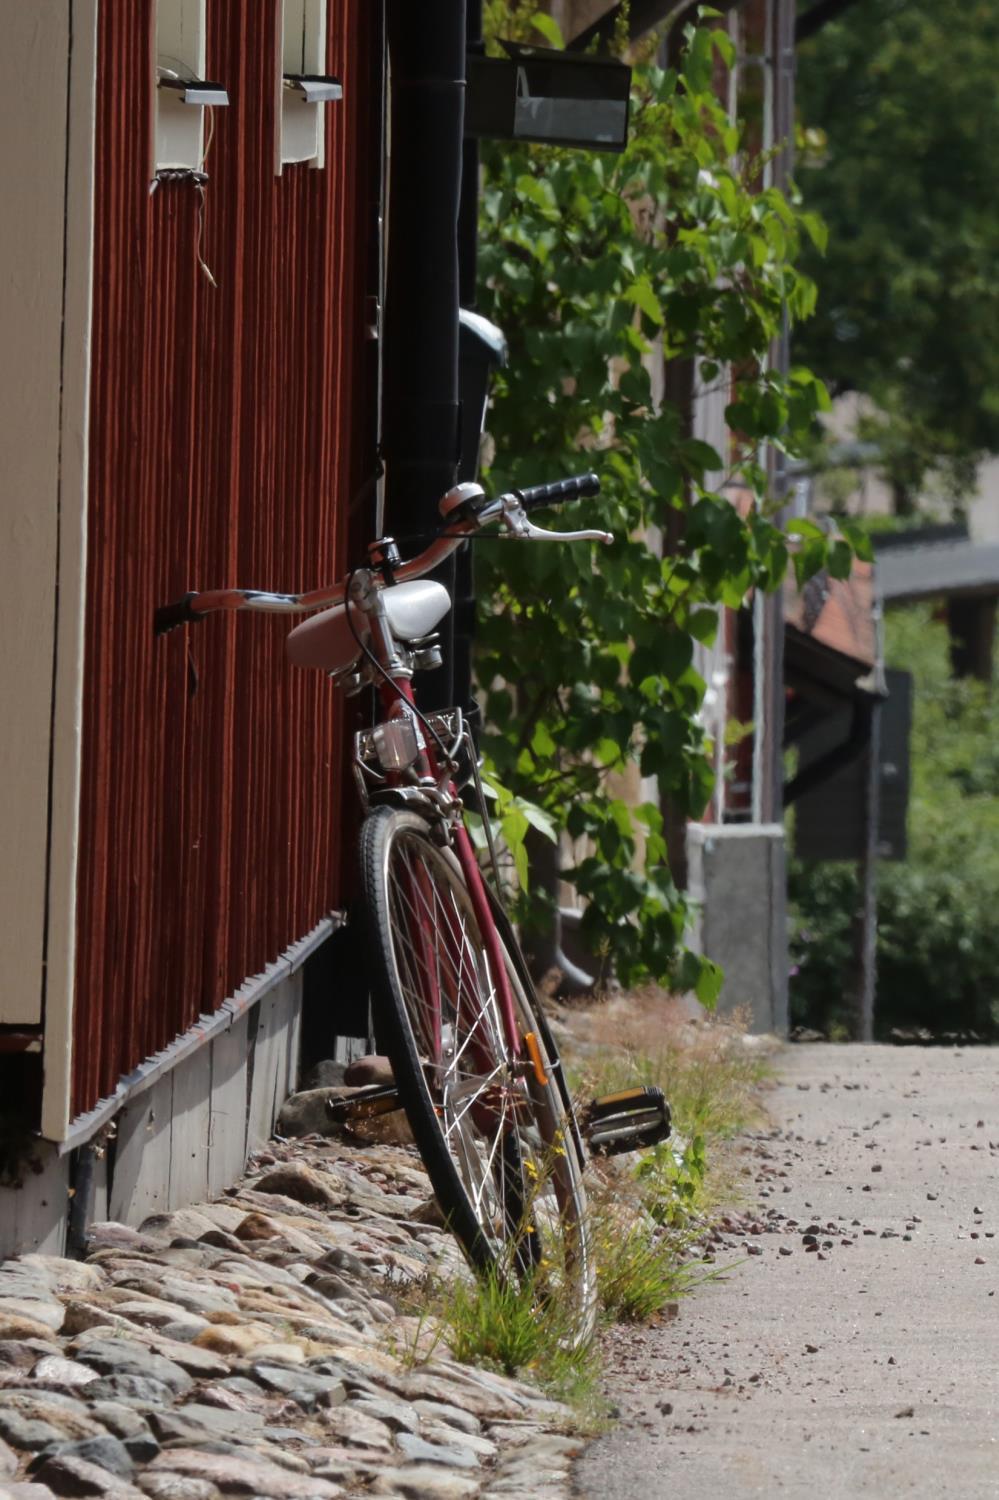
553 98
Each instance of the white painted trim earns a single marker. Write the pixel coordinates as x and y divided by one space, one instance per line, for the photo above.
249 994
179 129
67 700
300 128
35 415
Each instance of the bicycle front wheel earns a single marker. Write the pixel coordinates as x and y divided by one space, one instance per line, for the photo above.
490 1121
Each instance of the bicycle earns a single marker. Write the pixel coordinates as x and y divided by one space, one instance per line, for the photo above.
475 1065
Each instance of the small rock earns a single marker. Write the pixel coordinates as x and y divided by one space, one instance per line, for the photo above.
71 1417
239 1475
66 1275
437 1411
341 1260
234 1339
178 1487
28 1433
256 1227
105 1452
23 1354
307 1388
308 1113
195 1423
123 1357
426 1482
365 1071
18 1325
453 1456
294 1180
979 1260
392 1129
354 1428
75 1476
8 1461
139 1391
400 1416
325 1075
54 1370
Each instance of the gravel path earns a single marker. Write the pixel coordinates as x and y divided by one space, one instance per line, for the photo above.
854 1348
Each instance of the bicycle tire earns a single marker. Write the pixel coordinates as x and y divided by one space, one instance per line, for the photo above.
499 1145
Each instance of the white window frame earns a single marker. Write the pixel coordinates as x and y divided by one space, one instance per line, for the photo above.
179 47
300 127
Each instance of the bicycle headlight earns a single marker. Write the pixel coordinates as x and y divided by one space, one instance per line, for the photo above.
396 745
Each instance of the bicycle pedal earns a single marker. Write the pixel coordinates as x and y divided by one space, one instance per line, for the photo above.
376 1099
627 1121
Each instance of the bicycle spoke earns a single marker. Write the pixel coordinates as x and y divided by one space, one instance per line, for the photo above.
489 1134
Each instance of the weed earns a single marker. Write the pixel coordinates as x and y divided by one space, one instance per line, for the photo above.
709 1076
672 1177
417 1331
505 1325
650 1212
643 1270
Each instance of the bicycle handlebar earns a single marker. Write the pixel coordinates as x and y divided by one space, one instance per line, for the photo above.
169 616
558 491
464 508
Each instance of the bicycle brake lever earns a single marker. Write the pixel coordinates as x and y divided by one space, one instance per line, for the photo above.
518 526
529 532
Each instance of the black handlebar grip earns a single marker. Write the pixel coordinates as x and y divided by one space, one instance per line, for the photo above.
169 616
559 491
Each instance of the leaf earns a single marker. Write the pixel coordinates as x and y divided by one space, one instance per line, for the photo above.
641 294
816 229
801 526
542 743
538 819
709 983
840 559
549 28
703 625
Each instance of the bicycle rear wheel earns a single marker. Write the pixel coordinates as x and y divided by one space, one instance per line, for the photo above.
494 1130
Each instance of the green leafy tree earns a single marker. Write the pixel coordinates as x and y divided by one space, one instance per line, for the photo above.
596 267
902 110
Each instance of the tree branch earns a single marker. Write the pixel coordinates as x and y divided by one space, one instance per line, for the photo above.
643 16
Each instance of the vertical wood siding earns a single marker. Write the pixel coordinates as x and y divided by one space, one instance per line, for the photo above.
227 439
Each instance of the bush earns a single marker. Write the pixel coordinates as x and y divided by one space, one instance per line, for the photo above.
938 940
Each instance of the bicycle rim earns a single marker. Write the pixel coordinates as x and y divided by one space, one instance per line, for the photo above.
492 1128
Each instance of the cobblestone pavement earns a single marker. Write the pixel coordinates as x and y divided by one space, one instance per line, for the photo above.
254 1347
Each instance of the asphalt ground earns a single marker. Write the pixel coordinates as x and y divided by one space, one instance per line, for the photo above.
866 1365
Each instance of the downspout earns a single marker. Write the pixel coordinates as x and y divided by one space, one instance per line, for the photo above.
420 412
462 618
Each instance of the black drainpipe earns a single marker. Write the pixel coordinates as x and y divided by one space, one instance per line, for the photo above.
462 624
420 414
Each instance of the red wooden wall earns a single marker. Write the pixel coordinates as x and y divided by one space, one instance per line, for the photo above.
228 432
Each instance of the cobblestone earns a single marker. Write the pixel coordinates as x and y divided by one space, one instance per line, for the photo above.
250 1347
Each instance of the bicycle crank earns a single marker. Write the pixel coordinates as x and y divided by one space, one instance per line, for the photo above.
377 1099
626 1121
